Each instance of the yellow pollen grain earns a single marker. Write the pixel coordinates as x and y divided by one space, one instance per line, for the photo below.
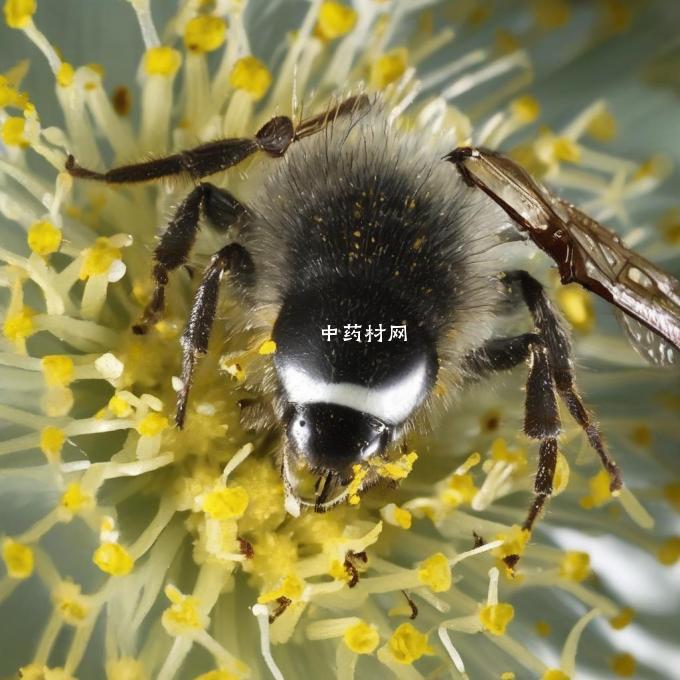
622 619
359 474
267 347
562 473
18 559
44 238
19 326
204 33
228 503
388 68
435 573
668 552
575 566
183 614
152 425
162 61
13 132
291 587
362 638
551 13
408 644
554 674
576 304
496 617
335 20
65 74
599 491
74 499
19 13
98 259
114 559
603 126
542 628
51 442
624 665
252 76
119 406
57 370
397 469
525 109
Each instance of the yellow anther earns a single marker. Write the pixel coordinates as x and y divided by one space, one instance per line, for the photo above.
501 452
471 461
618 14
252 76
227 503
575 566
10 96
13 132
18 559
125 668
162 61
119 406
624 665
657 167
183 615
671 492
152 425
576 304
362 637
408 644
567 150
554 674
338 572
57 370
51 442
204 33
514 543
506 42
71 604
561 477
35 671
114 559
402 517
74 499
44 238
551 13
435 573
669 551
459 489
508 675
599 491
267 347
389 68
99 258
19 13
670 226
217 675
525 109
542 628
19 326
335 20
622 619
496 617
65 74
291 587
603 126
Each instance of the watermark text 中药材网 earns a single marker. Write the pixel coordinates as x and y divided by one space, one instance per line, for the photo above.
356 332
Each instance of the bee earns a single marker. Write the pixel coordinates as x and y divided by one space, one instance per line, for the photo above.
360 224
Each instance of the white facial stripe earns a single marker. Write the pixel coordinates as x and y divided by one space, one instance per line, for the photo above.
391 403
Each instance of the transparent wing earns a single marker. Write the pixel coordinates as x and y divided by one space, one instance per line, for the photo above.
585 251
649 345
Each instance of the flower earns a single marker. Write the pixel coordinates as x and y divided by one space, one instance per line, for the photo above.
141 551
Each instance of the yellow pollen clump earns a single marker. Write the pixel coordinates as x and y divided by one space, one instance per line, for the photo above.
599 491
561 477
542 628
19 326
152 424
74 499
435 572
204 33
19 13
576 304
622 619
335 20
359 474
252 76
551 13
496 617
291 587
228 503
525 109
162 61
554 674
362 637
575 566
114 559
71 604
99 258
267 347
408 644
18 558
389 68
603 126
183 615
119 406
57 370
52 441
13 132
624 665
44 238
669 551
65 74
396 469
